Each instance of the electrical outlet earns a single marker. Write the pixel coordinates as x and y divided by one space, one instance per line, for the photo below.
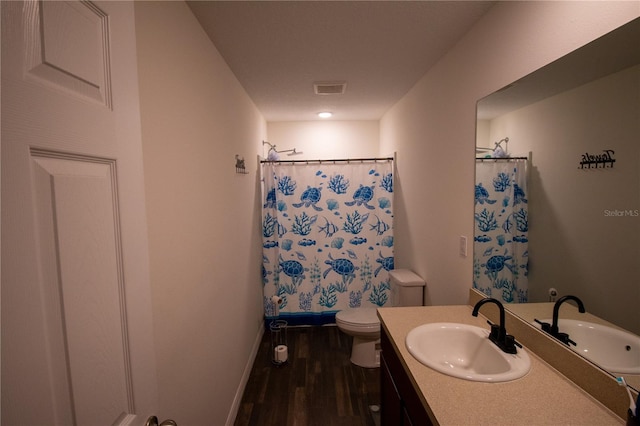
463 246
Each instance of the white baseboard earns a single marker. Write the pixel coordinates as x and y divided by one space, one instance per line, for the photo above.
235 406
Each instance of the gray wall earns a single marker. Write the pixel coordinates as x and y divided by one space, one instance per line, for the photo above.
203 219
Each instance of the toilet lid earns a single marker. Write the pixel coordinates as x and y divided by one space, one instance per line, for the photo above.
359 316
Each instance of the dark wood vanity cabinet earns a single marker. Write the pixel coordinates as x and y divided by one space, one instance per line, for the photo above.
400 404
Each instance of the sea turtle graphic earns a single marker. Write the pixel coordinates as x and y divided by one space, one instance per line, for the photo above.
293 269
362 196
386 263
482 195
343 267
495 264
309 198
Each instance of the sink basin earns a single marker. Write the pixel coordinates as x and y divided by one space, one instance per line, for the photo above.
614 350
465 351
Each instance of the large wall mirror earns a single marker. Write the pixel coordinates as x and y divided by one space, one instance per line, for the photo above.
577 124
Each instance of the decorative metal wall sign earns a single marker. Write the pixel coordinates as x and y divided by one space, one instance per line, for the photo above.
240 168
598 161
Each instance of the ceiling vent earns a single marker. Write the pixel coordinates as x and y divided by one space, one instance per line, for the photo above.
333 88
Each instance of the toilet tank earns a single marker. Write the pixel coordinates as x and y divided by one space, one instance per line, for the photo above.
407 288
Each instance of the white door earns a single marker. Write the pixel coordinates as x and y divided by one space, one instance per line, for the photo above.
77 342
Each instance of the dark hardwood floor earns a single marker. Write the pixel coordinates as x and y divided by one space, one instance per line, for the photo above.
317 386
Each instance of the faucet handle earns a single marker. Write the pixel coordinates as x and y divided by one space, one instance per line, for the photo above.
546 327
510 344
564 338
504 341
495 331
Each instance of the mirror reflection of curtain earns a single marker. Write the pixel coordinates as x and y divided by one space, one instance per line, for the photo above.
501 256
327 238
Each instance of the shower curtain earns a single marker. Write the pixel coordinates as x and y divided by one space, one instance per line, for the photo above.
501 257
327 232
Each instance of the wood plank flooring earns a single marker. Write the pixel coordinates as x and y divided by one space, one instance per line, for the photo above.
317 386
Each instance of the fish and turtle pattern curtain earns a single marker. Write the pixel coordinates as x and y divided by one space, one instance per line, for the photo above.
501 255
327 232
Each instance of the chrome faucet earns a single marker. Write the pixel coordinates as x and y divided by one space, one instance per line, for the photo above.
498 334
552 328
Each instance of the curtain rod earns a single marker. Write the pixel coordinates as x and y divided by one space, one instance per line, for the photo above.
501 159
341 160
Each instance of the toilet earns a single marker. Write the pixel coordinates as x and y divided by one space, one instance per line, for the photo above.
407 289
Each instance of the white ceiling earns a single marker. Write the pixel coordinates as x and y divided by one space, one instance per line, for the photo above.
278 49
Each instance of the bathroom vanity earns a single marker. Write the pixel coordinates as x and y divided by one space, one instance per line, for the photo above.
401 403
414 394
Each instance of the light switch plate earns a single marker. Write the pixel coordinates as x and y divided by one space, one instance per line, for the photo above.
463 246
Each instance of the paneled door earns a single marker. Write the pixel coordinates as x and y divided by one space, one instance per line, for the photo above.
77 341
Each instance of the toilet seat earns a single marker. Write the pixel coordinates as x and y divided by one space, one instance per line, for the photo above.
362 318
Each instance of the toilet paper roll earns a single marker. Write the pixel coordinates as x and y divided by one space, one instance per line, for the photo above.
281 353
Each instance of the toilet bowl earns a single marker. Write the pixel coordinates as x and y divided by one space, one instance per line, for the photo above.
364 326
407 289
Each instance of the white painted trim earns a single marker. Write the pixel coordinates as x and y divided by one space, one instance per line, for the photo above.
235 406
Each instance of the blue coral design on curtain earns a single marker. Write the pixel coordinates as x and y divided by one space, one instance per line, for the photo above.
501 256
327 234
